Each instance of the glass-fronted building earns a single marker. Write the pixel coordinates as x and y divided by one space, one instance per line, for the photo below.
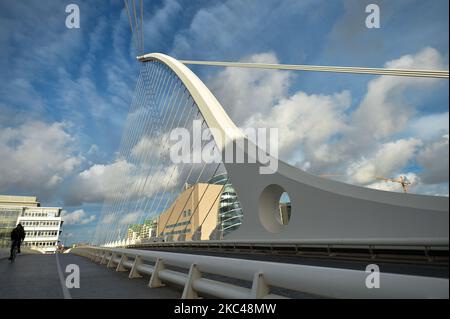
8 220
230 211
41 224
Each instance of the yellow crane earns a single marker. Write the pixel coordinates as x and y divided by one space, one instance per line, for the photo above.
402 180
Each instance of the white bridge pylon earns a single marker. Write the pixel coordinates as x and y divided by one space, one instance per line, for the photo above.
322 210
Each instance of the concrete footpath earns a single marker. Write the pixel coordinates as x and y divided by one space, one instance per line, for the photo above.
44 276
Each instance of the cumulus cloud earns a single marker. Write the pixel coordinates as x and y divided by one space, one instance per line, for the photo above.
159 24
307 119
149 147
129 218
107 219
429 126
248 92
434 161
388 160
119 180
36 156
384 110
382 135
77 217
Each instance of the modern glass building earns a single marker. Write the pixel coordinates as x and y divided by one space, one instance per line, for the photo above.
42 224
8 220
230 211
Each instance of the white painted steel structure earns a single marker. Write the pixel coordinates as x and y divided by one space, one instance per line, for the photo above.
319 281
439 74
323 213
320 208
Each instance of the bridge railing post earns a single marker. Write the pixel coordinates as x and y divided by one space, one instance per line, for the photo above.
134 273
189 291
260 289
155 281
103 261
111 261
98 256
120 266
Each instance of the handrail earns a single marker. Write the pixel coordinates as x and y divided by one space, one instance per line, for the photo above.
394 242
319 281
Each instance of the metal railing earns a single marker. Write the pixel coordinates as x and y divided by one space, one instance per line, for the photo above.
163 267
423 250
384 242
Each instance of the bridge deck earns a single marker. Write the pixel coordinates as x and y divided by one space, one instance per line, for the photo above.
37 276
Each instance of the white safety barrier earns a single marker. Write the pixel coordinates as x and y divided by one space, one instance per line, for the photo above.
320 281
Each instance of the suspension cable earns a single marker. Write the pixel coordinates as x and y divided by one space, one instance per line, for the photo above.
441 74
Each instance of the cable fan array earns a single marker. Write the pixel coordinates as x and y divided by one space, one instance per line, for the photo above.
147 181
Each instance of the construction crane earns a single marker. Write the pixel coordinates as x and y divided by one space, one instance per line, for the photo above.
402 180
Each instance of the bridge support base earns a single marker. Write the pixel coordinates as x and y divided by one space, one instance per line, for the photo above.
194 274
155 281
134 272
120 266
260 289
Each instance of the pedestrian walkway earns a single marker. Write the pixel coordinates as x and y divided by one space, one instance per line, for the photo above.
37 276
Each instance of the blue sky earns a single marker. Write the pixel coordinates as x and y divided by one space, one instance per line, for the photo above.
65 93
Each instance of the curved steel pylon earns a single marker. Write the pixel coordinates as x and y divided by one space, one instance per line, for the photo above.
322 210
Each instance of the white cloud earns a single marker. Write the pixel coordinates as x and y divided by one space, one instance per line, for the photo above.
382 135
36 156
305 119
231 27
430 126
77 217
247 92
107 219
161 21
151 147
388 160
384 110
120 180
434 159
99 181
129 218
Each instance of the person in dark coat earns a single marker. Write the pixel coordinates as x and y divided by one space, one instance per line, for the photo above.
17 237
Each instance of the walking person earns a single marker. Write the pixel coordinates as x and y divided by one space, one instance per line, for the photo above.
17 237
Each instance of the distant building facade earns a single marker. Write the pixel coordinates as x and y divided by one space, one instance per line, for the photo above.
148 229
203 211
193 215
42 224
142 231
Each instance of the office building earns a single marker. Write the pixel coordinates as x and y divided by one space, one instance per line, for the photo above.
193 215
42 224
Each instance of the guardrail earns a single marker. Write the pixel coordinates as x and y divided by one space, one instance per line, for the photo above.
319 281
394 243
412 251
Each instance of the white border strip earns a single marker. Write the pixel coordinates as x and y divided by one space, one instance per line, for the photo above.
62 279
